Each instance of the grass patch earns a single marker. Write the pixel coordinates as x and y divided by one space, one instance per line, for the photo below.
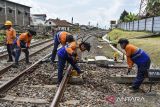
116 34
150 45
1 37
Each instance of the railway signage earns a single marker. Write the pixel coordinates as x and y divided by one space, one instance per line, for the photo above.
154 74
112 22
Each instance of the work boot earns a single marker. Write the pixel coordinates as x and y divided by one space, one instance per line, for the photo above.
15 65
130 87
10 60
134 90
27 62
81 72
58 83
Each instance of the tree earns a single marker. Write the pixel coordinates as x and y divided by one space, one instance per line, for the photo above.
130 17
125 13
153 8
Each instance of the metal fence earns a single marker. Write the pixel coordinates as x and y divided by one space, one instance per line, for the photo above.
149 24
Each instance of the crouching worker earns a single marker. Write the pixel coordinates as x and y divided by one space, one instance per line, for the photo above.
140 58
60 38
23 43
67 53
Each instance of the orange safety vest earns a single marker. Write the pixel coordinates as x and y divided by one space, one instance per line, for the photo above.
10 36
130 50
62 37
25 38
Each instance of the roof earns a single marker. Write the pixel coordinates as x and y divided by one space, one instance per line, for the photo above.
39 15
61 23
17 3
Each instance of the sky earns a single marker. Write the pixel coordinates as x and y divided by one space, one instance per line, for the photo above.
83 11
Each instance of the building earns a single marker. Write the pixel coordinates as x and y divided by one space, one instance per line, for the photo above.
38 19
113 24
84 27
60 24
17 13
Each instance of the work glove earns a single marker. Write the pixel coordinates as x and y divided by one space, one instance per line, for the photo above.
129 70
74 54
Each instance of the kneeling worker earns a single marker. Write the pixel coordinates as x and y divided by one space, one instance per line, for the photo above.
67 53
140 58
23 43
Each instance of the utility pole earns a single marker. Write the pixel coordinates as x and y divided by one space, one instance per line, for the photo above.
97 25
72 20
89 23
142 9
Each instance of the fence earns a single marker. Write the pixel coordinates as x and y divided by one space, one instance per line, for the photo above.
149 24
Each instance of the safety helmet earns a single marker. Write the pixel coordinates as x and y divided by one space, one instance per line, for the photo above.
123 40
8 23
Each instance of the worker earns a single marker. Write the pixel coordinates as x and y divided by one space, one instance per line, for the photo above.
23 43
67 53
140 58
59 38
10 37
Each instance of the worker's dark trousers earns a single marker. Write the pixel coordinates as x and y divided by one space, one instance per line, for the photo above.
10 51
142 72
18 53
61 65
54 52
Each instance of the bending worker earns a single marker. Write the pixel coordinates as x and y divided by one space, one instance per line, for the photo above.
23 43
67 53
59 38
10 37
140 58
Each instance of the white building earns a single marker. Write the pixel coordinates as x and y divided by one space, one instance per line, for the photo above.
38 19
60 24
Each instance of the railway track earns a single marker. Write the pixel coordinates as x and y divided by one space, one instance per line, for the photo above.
35 81
36 88
8 73
40 82
5 66
3 54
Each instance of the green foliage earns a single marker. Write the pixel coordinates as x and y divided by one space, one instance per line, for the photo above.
127 17
150 45
130 17
2 35
153 8
125 13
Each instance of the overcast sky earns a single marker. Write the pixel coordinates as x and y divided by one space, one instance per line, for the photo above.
83 11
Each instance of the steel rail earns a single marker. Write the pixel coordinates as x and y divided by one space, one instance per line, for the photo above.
4 54
2 71
61 88
11 82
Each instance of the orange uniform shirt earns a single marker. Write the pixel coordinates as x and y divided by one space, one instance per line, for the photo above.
130 50
62 37
10 36
24 37
71 47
